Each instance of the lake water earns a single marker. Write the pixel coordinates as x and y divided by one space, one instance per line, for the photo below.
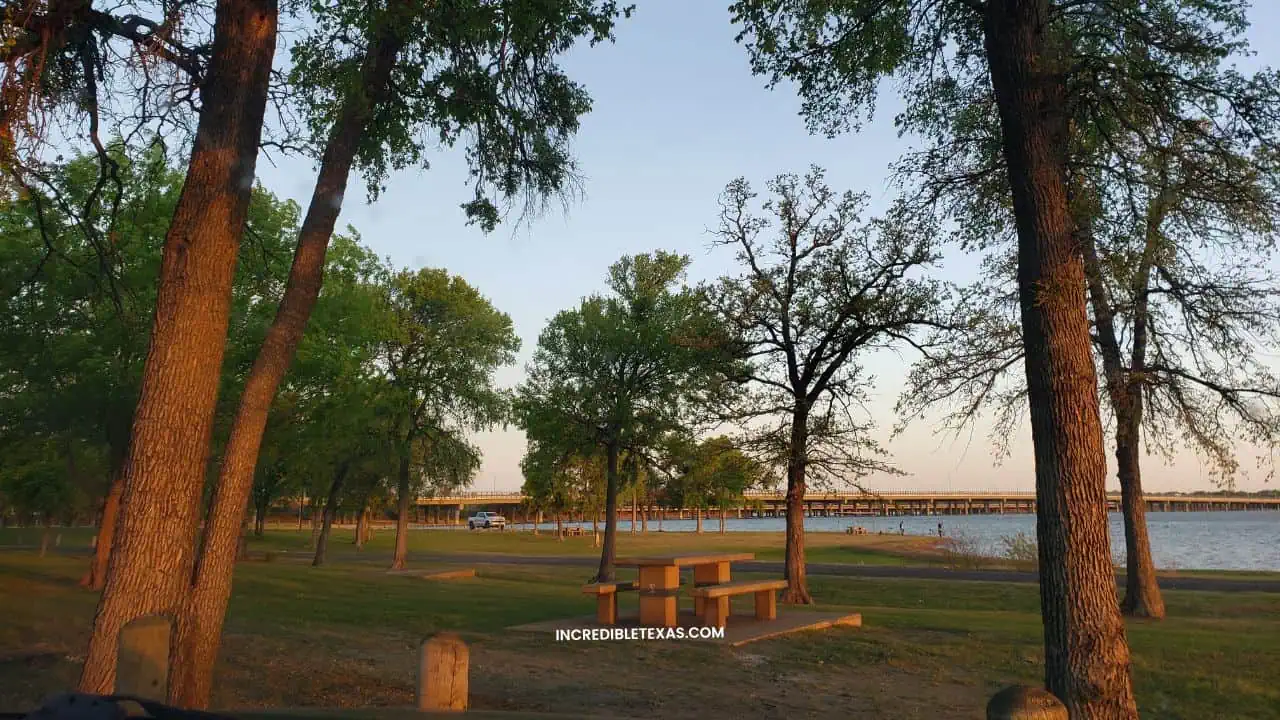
1179 540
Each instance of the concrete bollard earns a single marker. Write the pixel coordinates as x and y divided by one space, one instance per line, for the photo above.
443 674
1020 702
142 659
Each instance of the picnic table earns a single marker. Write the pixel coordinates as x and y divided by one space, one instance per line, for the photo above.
659 582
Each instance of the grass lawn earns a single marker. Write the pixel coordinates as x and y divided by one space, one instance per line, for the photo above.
822 547
346 635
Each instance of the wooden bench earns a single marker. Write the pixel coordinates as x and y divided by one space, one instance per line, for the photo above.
607 599
574 531
716 599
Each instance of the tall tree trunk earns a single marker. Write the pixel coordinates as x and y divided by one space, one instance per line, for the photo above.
402 517
152 554
797 591
1142 597
302 504
330 509
260 517
211 589
96 577
697 514
609 552
644 518
45 533
316 518
722 526
362 522
560 526
1086 653
634 509
242 539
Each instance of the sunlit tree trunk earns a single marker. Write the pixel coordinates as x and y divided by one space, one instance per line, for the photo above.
797 590
152 553
1142 596
1086 652
96 576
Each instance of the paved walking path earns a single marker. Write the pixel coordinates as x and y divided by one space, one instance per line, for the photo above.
881 571
1168 582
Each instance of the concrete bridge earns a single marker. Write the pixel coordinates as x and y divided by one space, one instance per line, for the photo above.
454 507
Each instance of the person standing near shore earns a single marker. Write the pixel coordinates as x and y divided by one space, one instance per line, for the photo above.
901 529
939 529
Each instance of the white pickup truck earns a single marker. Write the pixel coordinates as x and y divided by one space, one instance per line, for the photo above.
486 520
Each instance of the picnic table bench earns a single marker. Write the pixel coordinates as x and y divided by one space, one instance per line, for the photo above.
607 599
715 610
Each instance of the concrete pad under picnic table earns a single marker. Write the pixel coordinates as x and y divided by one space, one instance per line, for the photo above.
738 630
395 713
436 574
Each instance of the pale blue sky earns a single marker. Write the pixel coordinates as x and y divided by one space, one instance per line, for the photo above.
677 116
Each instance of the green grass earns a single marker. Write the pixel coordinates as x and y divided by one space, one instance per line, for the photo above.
822 547
346 635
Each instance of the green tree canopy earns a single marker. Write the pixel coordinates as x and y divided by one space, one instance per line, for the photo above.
620 371
445 344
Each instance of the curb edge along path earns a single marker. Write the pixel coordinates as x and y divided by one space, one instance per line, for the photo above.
1167 582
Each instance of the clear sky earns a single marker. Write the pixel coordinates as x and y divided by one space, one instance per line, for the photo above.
677 116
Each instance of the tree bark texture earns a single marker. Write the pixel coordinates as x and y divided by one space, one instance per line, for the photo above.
362 523
797 591
47 532
316 517
402 517
199 635
96 577
152 554
1087 661
330 509
1142 597
260 519
608 553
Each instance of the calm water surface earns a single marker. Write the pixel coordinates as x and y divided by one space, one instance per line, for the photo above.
1179 540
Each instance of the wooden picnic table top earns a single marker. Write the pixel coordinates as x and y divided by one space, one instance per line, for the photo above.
685 560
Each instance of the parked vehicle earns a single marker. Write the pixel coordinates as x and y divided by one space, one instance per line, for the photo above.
486 520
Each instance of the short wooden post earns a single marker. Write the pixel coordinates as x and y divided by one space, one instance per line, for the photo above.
1020 702
442 673
142 659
